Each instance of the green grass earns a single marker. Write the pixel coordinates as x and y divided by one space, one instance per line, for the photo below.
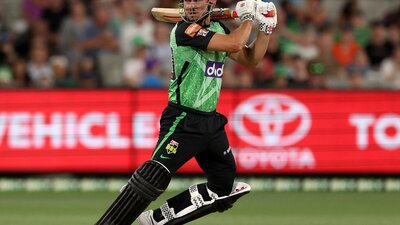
257 208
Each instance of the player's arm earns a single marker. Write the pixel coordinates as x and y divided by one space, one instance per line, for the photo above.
250 56
233 42
236 41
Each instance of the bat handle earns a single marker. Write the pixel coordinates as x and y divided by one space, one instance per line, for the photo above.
234 14
269 14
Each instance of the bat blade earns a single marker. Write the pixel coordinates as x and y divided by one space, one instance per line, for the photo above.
169 15
172 15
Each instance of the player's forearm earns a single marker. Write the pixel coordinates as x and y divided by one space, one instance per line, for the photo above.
241 34
237 40
233 42
256 51
246 13
252 55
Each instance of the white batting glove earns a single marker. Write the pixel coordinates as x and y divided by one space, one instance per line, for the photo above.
246 10
266 24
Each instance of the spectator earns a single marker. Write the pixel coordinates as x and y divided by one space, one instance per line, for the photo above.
88 77
39 68
20 74
134 68
32 10
300 77
281 76
394 34
362 32
390 69
392 17
62 79
345 50
168 3
317 72
123 15
274 51
143 29
306 45
243 76
325 43
152 78
349 10
100 35
54 14
358 70
263 73
314 14
160 49
5 74
72 33
380 47
37 30
290 16
7 51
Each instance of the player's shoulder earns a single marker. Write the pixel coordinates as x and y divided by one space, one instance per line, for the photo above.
189 29
226 29
193 35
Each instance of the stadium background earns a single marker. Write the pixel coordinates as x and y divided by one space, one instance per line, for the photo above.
315 128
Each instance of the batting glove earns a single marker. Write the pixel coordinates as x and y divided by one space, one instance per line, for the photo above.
246 10
266 23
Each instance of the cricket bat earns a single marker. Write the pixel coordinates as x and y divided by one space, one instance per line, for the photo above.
172 15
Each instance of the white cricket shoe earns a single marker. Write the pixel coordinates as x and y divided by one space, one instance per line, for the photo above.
146 218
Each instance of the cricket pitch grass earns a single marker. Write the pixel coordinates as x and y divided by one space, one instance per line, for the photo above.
256 208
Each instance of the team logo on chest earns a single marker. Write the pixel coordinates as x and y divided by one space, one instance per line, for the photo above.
202 32
172 147
214 69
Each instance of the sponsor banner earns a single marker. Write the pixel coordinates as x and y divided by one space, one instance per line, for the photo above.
66 131
269 131
306 131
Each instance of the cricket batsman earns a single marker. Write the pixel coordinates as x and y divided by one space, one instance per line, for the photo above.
189 125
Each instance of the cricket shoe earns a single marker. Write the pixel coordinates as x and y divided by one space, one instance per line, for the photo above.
146 218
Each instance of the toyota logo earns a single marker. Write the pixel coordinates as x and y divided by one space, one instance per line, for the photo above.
271 120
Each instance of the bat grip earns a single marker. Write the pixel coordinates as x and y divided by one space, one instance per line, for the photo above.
235 15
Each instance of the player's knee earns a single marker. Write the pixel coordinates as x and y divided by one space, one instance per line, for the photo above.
223 185
150 180
230 170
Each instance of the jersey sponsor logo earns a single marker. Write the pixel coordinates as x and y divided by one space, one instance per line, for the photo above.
172 147
202 32
214 69
192 29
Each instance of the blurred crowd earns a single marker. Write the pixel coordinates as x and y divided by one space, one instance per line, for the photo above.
117 43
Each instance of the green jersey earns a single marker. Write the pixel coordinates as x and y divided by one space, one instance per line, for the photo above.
197 73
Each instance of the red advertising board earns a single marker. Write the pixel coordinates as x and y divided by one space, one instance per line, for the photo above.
66 131
111 131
